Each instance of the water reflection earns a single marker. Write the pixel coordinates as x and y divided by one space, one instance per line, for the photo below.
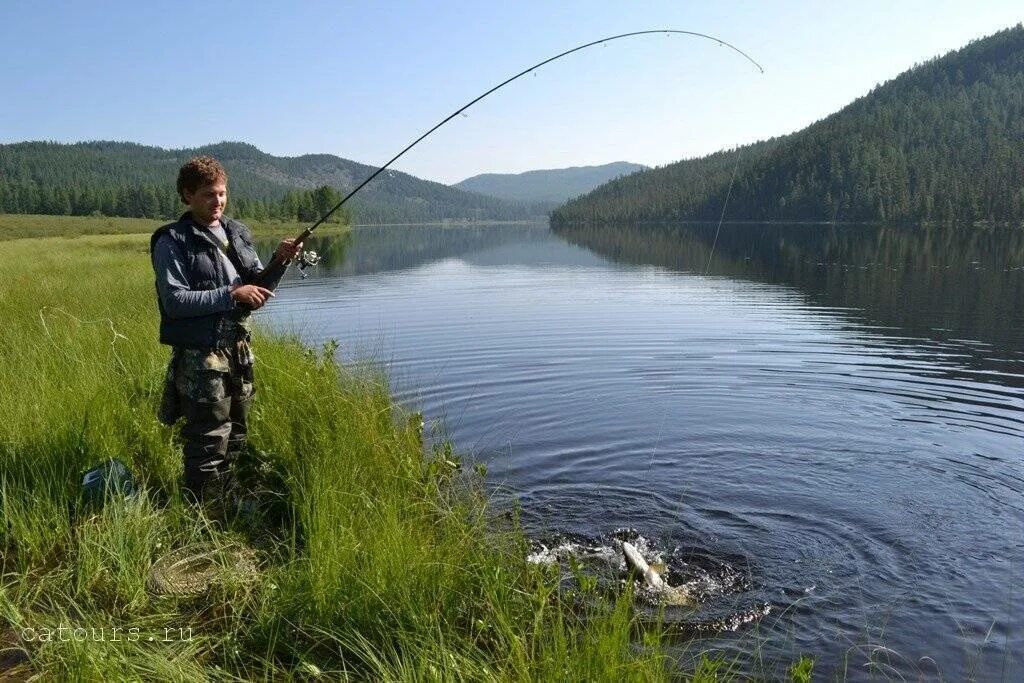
959 283
962 285
378 249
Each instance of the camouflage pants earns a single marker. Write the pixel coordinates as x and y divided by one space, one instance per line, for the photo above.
212 390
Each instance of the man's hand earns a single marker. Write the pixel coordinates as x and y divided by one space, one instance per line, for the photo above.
287 250
251 296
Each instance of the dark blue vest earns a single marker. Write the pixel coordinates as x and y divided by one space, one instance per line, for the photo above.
205 270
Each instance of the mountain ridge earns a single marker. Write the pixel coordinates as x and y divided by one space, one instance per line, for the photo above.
547 186
133 179
943 141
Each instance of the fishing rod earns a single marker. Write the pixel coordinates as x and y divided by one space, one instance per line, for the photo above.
276 263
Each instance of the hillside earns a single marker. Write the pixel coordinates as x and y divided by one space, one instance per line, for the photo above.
128 179
942 142
551 186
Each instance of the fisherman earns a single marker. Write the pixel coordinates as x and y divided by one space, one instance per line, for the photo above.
206 272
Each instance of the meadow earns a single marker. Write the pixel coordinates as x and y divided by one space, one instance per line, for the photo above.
20 226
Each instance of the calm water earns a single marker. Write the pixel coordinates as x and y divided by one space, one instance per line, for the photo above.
822 435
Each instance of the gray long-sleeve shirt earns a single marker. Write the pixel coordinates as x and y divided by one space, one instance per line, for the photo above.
180 301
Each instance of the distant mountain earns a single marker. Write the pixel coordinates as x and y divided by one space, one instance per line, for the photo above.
942 142
551 187
128 179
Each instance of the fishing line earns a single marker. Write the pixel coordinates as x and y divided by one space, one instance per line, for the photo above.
721 217
275 261
110 323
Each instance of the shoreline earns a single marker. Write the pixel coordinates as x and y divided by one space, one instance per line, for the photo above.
392 565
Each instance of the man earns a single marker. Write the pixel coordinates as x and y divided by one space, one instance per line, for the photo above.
206 269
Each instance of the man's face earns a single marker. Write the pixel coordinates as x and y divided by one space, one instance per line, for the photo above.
207 202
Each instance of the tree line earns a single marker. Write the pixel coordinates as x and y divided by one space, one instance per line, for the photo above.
159 202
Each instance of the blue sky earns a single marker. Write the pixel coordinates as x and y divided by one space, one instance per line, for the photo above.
361 80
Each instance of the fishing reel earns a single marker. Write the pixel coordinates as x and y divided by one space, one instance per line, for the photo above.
307 259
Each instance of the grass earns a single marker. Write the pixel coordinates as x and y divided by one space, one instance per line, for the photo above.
17 226
391 568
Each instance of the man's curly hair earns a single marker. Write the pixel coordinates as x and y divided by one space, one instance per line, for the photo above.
197 172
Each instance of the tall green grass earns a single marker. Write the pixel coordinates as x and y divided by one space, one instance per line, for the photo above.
392 566
18 226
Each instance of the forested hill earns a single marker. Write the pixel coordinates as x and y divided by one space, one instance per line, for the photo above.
127 179
552 186
944 141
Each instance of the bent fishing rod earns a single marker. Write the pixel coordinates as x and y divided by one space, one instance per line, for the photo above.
276 262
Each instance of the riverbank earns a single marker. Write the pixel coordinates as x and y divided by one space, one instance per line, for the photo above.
392 567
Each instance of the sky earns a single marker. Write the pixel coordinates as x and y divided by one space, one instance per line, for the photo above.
362 80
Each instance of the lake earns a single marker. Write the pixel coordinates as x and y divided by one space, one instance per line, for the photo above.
817 428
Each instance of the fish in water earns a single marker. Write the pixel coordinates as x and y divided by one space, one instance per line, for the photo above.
636 562
671 595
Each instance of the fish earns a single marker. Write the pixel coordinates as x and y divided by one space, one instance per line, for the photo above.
671 595
636 562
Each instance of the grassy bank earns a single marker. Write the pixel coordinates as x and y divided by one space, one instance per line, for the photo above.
391 567
17 226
